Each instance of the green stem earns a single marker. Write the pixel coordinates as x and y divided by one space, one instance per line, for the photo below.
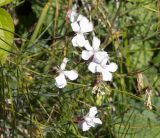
40 23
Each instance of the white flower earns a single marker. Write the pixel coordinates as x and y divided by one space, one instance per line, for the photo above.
72 14
81 26
90 120
61 79
103 68
94 51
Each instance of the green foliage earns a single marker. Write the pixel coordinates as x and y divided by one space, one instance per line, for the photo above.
31 104
135 124
6 34
4 2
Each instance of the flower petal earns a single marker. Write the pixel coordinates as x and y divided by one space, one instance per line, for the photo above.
80 40
63 64
72 14
79 17
74 41
106 75
85 126
61 81
74 7
95 43
97 121
92 111
112 67
94 67
72 74
75 27
89 121
104 62
88 46
86 54
101 56
85 25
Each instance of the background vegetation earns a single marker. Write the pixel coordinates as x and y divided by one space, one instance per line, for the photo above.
30 103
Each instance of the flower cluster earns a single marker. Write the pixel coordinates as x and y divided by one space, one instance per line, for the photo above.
99 60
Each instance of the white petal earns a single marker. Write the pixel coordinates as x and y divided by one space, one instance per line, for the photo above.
74 41
89 121
61 81
104 62
88 46
85 25
112 67
73 16
79 17
94 67
95 43
106 75
75 27
72 75
86 54
63 64
74 7
92 111
97 121
85 126
100 57
80 40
